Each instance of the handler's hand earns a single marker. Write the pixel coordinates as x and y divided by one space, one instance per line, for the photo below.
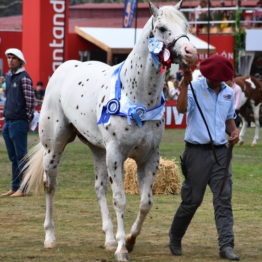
187 78
234 137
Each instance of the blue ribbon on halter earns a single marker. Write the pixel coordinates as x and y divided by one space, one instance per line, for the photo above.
155 47
122 106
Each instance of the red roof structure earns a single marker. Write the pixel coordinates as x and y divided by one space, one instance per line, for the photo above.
11 23
108 15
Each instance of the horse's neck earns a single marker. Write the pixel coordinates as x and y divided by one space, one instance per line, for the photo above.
141 82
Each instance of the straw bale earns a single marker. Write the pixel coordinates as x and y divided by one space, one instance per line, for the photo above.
167 181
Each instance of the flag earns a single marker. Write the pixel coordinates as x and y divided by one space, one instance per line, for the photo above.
129 11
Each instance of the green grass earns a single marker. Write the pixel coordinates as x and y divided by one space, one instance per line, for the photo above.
78 222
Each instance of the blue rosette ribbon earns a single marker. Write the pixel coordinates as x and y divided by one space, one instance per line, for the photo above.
136 113
111 108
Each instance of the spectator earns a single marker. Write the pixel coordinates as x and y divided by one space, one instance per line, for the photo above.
39 92
201 15
239 99
238 94
219 14
225 18
2 89
258 14
239 4
18 112
172 88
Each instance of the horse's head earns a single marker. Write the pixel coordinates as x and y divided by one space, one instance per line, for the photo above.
170 26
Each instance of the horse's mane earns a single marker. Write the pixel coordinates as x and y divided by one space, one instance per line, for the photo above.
171 12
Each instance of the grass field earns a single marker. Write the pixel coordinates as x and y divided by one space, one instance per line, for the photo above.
78 223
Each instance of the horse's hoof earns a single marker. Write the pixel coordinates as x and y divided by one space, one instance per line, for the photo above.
110 246
130 243
50 244
241 143
121 256
253 144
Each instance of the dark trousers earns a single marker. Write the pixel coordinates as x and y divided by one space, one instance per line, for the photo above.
200 170
15 136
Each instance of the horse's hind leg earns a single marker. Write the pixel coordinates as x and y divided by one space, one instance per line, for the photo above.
54 144
114 161
145 173
101 190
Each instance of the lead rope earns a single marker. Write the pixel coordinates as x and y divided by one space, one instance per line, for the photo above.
205 122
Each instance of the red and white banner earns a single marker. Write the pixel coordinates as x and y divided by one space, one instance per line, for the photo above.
44 32
173 119
224 46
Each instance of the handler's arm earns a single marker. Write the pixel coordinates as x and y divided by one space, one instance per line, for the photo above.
182 98
232 130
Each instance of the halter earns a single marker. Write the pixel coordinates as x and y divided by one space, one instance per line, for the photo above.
173 42
159 57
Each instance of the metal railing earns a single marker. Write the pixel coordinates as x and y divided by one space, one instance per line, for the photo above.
251 18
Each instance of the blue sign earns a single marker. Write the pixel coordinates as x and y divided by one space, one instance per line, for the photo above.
129 11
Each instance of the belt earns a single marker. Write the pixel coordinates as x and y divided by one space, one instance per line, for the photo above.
206 146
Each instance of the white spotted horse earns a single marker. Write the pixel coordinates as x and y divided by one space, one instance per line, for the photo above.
118 112
251 97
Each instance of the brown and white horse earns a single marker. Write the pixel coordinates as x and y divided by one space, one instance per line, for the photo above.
252 96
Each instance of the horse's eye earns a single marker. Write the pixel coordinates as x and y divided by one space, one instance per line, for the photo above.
162 29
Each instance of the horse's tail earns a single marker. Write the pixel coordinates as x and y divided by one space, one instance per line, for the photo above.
33 169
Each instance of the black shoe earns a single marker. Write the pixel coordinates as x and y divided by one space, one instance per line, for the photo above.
228 253
175 248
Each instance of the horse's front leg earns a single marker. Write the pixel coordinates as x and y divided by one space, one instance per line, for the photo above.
114 162
146 173
242 131
256 109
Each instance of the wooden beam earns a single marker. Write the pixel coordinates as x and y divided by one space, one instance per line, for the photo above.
109 57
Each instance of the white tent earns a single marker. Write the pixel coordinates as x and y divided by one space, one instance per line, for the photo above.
121 40
253 46
253 40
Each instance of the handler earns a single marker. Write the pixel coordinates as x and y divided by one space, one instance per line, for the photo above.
203 162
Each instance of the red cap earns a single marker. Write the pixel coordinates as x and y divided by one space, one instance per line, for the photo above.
217 68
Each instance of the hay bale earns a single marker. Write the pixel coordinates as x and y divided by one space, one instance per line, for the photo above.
167 181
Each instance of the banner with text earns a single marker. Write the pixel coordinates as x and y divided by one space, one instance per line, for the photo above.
129 11
173 119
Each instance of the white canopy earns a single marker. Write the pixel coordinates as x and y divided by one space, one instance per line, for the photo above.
121 40
253 40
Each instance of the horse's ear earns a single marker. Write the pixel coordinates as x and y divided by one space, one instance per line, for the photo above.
153 9
179 4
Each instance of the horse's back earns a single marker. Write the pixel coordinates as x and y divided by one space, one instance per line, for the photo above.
74 96
69 70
